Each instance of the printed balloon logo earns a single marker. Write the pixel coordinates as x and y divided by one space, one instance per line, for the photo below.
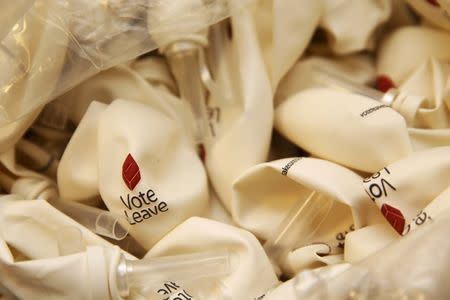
139 205
394 217
130 172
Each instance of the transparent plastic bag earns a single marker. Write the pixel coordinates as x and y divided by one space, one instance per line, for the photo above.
58 44
10 14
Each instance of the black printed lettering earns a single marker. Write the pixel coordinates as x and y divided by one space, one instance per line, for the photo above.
421 218
170 288
137 217
155 211
376 175
378 185
340 237
384 182
375 190
146 214
141 195
136 202
371 110
286 168
128 218
162 206
148 206
150 195
127 204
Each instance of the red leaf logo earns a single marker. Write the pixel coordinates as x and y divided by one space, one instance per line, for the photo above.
433 2
394 217
384 83
130 172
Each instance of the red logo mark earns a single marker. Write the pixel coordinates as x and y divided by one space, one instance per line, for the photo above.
130 172
384 83
201 152
394 217
433 2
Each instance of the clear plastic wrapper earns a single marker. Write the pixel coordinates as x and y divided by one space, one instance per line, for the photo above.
362 284
146 274
36 158
10 14
184 60
299 226
307 285
58 44
333 80
97 220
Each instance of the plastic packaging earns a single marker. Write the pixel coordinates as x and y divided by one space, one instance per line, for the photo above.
10 14
218 48
36 158
58 44
55 115
130 245
184 60
359 283
333 80
308 285
299 225
148 272
97 220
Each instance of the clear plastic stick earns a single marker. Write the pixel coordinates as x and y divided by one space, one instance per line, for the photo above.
36 158
153 271
218 46
299 225
130 245
97 220
184 59
336 81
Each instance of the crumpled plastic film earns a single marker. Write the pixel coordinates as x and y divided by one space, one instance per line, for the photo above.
61 43
10 14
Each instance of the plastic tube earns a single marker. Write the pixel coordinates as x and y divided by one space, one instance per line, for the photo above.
147 272
184 60
130 245
97 220
37 158
299 225
55 115
218 47
336 81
